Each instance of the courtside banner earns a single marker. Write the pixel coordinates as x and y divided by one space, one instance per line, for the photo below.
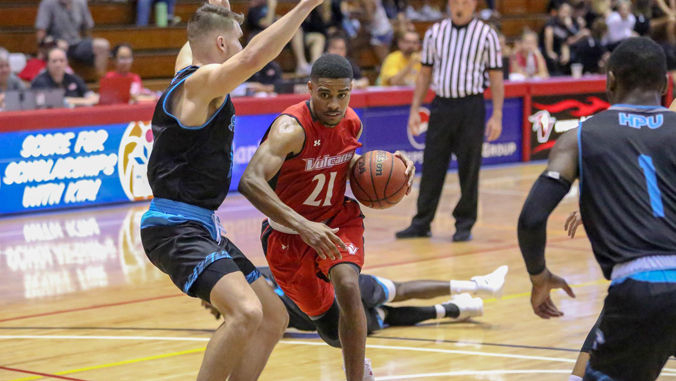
93 165
386 128
552 115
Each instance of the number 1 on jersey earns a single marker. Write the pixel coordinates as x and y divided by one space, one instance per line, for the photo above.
646 162
321 180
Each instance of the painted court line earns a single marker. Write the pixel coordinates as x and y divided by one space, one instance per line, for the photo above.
91 307
371 346
109 365
40 374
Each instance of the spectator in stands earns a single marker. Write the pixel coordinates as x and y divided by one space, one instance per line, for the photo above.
338 45
143 11
591 52
261 14
620 24
559 33
378 26
401 67
70 22
37 64
123 59
643 16
506 54
527 60
264 81
55 77
8 81
311 35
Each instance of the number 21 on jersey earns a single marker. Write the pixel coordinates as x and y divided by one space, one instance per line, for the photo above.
312 200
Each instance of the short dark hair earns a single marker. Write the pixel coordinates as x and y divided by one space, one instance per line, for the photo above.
117 48
211 17
639 62
331 66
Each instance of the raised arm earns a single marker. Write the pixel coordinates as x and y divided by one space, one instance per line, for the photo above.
547 192
286 137
213 81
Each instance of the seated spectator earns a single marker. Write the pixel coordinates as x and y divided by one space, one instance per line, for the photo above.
643 16
591 52
401 68
143 12
37 64
123 59
338 45
68 21
558 34
264 81
506 54
527 60
311 35
620 24
8 81
261 14
55 77
378 26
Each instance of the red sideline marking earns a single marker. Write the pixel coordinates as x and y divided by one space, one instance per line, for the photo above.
483 251
40 374
91 308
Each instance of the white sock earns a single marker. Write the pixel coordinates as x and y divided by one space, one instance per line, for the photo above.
463 286
574 378
441 311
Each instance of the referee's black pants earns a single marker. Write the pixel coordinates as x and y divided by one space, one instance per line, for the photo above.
456 126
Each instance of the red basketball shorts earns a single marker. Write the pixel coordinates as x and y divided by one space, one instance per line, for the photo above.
300 272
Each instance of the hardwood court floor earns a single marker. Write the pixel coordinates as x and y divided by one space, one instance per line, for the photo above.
79 300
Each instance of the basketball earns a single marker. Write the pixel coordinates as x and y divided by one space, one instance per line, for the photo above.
378 180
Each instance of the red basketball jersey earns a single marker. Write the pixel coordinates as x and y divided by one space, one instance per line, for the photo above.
313 182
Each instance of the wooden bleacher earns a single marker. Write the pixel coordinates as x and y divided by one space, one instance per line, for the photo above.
155 48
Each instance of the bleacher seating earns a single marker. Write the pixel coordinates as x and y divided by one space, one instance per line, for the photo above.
156 48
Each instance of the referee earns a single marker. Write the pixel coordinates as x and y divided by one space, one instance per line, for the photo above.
456 56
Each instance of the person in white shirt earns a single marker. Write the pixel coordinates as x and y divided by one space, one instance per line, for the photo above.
620 24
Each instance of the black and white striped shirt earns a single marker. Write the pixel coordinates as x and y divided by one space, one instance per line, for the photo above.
460 56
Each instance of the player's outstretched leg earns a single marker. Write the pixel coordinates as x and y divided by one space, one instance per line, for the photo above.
352 326
243 314
484 286
260 346
459 308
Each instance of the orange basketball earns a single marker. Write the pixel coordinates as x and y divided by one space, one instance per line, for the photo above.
378 180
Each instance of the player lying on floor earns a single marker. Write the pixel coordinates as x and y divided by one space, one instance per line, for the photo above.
376 292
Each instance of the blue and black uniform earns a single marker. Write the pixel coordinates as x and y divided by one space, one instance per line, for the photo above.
189 170
627 174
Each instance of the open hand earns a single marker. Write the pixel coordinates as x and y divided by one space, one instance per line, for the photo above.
414 122
410 169
540 299
573 221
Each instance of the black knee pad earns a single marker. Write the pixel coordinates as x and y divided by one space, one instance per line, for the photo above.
327 326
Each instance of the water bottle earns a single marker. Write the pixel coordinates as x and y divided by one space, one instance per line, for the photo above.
161 14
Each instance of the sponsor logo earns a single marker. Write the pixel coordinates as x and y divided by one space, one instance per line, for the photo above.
381 156
132 166
352 249
327 161
575 107
285 247
318 143
418 142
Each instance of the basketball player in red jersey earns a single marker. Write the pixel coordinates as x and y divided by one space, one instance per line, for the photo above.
313 237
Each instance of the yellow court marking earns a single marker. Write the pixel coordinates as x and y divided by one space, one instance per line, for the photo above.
512 296
116 364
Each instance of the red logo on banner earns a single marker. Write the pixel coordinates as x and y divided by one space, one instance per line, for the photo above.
580 109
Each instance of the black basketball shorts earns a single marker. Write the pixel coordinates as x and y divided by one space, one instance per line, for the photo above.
637 332
194 261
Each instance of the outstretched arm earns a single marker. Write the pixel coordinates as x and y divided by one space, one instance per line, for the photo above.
213 81
286 138
547 192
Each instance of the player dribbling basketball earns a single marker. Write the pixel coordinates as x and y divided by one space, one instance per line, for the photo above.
313 237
